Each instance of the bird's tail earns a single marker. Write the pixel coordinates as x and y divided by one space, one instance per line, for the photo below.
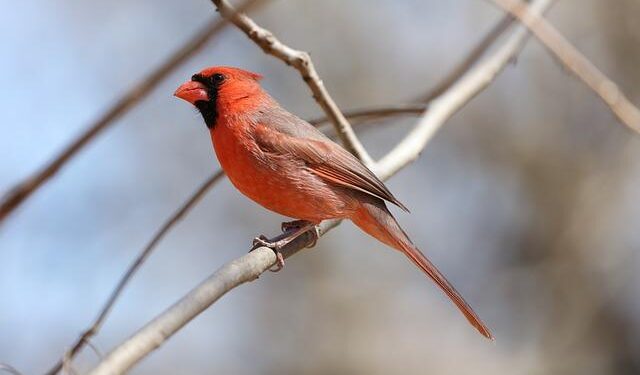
376 220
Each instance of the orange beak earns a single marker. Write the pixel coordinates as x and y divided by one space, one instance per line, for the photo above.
192 92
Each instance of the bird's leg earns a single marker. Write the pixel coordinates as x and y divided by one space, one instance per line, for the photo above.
295 224
290 226
292 230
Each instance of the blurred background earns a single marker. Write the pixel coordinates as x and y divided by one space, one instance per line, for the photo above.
527 199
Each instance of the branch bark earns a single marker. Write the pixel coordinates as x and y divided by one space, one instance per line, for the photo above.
86 336
476 53
455 98
23 190
301 61
576 62
250 266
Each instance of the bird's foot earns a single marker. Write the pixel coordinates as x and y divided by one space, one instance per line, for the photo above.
262 240
292 230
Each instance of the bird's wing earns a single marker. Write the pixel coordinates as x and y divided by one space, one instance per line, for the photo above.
285 134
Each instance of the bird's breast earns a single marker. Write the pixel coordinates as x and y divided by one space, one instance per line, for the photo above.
280 183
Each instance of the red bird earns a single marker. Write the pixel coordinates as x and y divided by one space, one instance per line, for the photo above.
288 166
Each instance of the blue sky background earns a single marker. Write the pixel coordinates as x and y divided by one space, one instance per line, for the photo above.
527 199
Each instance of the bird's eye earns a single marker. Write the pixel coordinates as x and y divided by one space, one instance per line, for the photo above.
217 78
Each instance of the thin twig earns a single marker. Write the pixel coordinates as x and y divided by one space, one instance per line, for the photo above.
10 369
95 349
137 263
576 62
472 58
250 266
302 62
377 112
457 96
17 195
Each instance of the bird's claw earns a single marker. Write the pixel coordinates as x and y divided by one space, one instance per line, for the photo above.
291 230
261 241
315 233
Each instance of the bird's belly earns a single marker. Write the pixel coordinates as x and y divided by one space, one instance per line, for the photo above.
279 184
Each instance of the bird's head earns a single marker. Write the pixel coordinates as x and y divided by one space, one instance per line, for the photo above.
218 89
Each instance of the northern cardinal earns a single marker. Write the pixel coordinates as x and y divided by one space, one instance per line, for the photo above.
288 166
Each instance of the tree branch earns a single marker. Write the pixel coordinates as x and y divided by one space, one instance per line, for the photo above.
456 97
379 112
576 62
250 266
9 369
301 61
20 192
476 53
86 336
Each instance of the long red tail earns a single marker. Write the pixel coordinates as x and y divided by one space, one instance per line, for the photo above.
376 220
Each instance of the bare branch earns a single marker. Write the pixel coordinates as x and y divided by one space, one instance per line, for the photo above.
16 195
576 62
452 77
302 62
474 55
377 112
10 369
86 336
456 97
250 266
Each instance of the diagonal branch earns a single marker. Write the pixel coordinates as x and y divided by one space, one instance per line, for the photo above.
472 57
250 266
576 62
302 62
457 96
9 369
86 336
379 112
20 192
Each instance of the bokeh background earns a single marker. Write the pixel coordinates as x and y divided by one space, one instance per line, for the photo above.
527 199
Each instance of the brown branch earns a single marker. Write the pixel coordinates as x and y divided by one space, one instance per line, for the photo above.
133 268
379 112
20 192
301 61
471 59
250 266
576 62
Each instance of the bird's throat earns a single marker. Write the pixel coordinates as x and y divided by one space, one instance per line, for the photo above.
208 110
